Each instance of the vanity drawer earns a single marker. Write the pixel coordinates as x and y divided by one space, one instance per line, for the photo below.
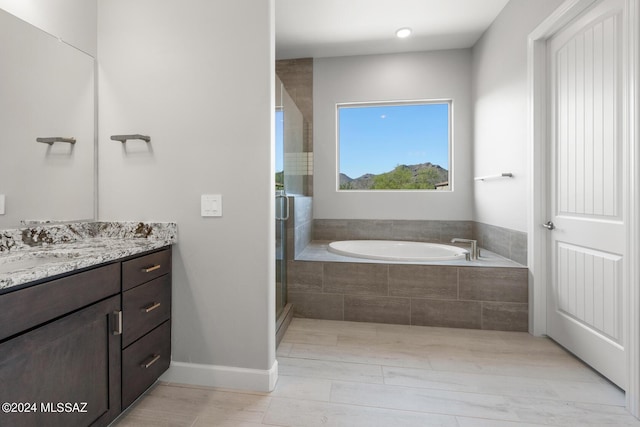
145 307
29 307
140 270
144 361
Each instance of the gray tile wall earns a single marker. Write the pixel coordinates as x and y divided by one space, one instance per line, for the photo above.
420 231
426 295
503 241
299 225
297 77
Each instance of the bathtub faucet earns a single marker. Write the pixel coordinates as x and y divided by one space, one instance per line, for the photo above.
474 252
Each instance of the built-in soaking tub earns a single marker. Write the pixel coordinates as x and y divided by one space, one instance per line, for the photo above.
490 292
393 250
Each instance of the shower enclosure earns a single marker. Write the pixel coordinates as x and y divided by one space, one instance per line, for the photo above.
282 212
288 181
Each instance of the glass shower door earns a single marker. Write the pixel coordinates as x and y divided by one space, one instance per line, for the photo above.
282 214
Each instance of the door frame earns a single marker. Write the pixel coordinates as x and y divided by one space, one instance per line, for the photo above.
538 183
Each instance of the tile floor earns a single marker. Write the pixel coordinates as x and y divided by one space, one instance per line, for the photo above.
349 374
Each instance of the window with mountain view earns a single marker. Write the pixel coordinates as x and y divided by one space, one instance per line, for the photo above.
394 146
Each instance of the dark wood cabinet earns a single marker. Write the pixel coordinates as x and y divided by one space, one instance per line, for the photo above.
77 350
144 361
146 338
67 371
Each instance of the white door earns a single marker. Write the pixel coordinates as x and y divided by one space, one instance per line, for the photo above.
587 183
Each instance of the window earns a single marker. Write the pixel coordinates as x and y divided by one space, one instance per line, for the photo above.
394 146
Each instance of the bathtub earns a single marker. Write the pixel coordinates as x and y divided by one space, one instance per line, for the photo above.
393 250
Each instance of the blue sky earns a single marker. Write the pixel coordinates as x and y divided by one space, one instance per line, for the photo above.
375 139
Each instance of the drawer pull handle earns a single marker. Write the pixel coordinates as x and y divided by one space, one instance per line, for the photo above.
153 360
117 322
150 269
152 307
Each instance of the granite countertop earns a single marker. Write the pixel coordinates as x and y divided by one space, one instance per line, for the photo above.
39 252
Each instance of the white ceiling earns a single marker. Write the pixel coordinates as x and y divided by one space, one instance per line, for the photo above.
322 28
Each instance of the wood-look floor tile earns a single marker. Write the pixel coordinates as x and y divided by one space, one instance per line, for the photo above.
214 422
384 354
329 369
283 349
337 327
302 388
467 382
307 337
483 422
297 413
154 417
587 392
424 400
214 404
563 368
367 374
559 412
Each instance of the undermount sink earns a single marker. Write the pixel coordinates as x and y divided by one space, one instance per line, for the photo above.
20 262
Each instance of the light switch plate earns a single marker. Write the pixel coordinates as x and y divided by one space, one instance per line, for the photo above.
1 204
211 205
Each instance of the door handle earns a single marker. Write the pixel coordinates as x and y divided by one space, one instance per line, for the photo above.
285 209
549 225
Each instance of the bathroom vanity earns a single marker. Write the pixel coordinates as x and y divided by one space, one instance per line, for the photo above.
77 348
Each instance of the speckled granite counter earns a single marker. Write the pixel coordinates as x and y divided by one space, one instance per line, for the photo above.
38 252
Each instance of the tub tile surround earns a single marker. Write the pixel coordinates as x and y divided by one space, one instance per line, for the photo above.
477 297
510 244
46 250
389 229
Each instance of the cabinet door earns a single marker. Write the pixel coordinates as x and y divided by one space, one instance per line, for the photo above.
67 372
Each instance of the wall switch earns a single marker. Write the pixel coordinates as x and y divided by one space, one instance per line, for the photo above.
1 204
211 205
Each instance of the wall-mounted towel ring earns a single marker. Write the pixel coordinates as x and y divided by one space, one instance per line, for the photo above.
51 139
124 138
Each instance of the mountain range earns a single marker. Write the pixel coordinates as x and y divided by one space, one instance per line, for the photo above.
420 176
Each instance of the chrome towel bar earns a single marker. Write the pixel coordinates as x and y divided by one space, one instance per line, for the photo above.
124 138
490 177
52 139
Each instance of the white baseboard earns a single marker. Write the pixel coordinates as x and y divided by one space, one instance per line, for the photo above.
222 376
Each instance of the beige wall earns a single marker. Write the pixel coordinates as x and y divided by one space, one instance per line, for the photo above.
74 21
500 97
408 76
207 102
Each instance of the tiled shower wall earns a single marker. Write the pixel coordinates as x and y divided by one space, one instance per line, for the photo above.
297 77
299 225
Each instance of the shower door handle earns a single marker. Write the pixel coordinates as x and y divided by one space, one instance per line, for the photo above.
286 209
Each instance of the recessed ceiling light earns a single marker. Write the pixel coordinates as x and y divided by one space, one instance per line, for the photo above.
403 33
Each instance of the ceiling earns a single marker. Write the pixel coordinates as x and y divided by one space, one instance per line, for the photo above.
324 28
